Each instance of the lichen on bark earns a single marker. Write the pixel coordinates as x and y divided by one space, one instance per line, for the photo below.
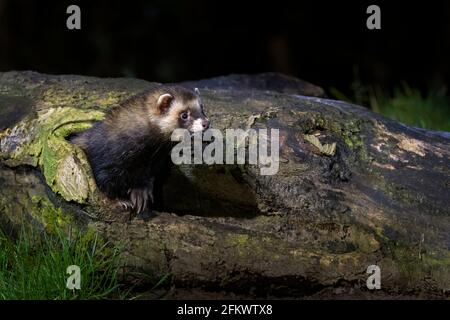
380 198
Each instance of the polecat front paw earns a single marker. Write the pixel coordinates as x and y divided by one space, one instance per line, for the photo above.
141 199
125 205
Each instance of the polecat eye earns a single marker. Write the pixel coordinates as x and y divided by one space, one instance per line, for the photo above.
184 115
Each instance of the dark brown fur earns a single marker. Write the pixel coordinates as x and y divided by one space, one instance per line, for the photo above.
129 148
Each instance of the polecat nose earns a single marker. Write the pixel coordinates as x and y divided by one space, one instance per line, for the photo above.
205 124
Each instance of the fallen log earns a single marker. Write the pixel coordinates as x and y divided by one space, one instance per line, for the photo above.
380 197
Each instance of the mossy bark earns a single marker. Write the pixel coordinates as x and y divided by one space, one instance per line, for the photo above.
309 231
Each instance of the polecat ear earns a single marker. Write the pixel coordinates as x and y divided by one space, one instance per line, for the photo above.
164 101
197 92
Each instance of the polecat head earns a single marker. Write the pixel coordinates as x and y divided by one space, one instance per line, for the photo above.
178 107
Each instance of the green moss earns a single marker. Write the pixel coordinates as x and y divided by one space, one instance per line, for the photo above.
57 125
81 98
56 220
395 191
246 247
415 267
366 242
51 217
50 146
238 239
62 113
348 131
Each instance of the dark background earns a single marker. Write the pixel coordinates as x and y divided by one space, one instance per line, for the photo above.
326 43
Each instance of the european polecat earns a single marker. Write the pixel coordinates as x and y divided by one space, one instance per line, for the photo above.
132 144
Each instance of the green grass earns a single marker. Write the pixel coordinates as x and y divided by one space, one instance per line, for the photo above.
405 104
34 267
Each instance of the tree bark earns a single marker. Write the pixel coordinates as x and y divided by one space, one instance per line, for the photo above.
311 230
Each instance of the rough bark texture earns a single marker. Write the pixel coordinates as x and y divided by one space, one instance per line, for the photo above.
223 231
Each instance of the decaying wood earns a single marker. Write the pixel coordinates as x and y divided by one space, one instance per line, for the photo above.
379 196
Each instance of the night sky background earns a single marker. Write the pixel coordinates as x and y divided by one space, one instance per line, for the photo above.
326 43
